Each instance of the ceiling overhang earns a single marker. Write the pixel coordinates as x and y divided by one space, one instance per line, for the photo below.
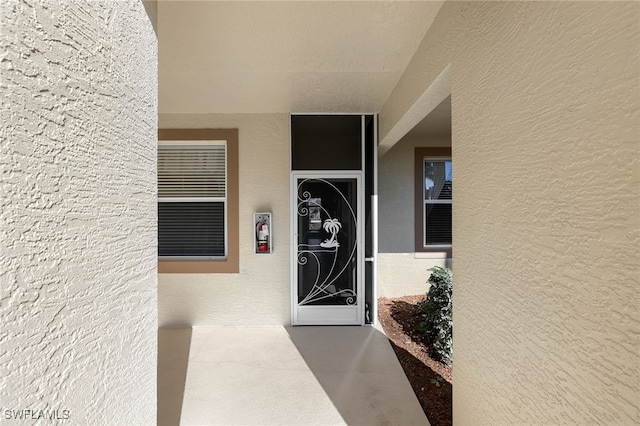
230 57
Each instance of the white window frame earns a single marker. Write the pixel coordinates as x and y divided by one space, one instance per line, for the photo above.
223 199
425 202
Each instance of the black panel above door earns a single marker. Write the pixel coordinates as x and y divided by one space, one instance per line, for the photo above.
326 142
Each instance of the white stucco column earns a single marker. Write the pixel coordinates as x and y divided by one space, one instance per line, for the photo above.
78 304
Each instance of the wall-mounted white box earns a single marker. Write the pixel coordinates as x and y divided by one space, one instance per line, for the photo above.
263 233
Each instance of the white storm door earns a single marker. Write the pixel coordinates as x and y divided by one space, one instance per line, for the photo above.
327 249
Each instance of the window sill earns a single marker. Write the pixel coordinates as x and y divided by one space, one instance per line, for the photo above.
228 266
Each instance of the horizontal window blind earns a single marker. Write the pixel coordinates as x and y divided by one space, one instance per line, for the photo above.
191 229
438 196
189 171
438 224
192 191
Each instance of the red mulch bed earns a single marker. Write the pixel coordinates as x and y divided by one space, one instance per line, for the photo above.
400 318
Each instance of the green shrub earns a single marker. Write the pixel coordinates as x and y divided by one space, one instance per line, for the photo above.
438 320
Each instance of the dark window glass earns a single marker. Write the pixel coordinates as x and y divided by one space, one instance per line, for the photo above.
438 223
191 229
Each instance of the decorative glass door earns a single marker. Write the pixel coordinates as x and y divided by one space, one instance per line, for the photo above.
327 249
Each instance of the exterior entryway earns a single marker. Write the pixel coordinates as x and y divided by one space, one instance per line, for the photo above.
333 219
327 249
282 376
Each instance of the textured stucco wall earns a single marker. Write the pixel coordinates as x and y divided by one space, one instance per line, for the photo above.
77 211
400 271
546 114
402 274
260 293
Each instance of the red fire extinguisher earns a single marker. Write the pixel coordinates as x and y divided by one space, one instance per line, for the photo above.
263 237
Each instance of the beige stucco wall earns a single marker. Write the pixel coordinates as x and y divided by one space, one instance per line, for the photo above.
402 274
260 293
78 212
546 115
400 271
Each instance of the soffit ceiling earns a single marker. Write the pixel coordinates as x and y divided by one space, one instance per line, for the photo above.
273 56
437 123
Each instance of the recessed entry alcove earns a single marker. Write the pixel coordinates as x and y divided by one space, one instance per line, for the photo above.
333 190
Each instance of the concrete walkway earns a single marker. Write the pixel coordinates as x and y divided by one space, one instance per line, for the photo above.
282 376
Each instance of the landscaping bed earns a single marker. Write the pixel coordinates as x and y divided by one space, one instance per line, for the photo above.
430 379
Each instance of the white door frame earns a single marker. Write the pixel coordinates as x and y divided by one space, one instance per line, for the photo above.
330 314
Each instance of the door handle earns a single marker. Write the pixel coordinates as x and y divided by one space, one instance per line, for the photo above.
369 259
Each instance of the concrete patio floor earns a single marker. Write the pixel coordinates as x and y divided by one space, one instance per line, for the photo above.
282 376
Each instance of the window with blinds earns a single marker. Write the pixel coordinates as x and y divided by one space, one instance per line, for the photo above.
438 188
192 199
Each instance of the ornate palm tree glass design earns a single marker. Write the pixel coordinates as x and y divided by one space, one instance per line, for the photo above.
326 255
333 226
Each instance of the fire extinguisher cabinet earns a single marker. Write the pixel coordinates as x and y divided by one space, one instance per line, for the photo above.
263 233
